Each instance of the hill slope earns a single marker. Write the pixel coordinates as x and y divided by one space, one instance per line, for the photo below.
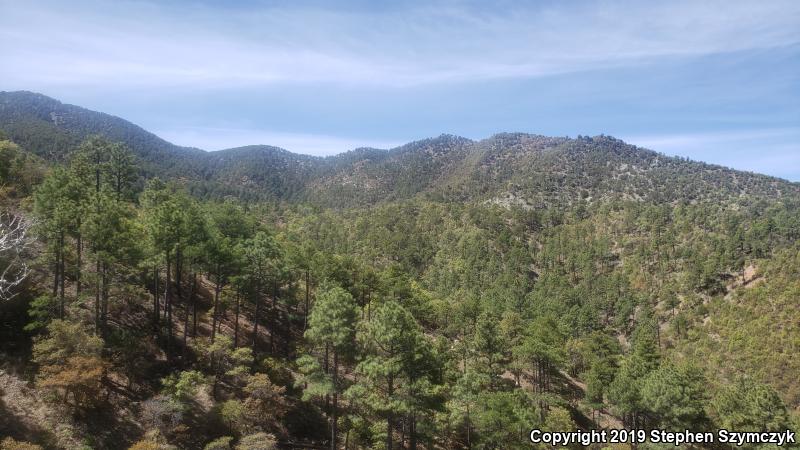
50 129
624 285
521 169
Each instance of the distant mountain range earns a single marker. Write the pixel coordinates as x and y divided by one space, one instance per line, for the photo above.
509 169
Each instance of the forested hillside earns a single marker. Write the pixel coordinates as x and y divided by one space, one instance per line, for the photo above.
447 294
513 168
51 129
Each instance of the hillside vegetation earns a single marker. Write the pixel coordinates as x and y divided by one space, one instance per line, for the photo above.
447 294
512 168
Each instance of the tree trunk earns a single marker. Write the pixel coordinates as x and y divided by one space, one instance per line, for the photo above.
334 418
390 416
79 263
156 306
326 369
402 432
97 171
412 429
62 277
305 318
104 304
178 274
469 430
236 321
217 290
214 387
97 296
56 268
273 312
194 309
168 302
192 294
255 321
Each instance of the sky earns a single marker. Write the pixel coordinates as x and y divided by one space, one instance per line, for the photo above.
716 81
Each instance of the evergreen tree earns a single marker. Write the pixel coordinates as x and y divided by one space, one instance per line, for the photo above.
489 348
625 390
676 396
165 223
542 350
262 261
387 342
114 241
59 203
332 326
747 405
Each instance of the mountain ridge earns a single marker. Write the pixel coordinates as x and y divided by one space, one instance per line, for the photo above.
535 170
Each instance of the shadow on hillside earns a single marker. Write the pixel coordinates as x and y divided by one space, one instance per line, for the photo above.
13 426
107 430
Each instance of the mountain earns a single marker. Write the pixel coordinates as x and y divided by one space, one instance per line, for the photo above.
52 129
476 288
509 169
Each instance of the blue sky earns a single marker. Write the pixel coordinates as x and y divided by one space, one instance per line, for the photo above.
717 81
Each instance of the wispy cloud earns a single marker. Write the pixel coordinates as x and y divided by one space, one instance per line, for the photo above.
120 44
700 79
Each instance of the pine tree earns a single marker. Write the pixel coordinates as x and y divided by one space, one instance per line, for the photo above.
625 390
332 326
222 254
59 206
542 350
387 341
489 348
676 396
262 258
165 222
747 405
121 171
222 360
108 227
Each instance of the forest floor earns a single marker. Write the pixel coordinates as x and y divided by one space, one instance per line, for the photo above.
24 415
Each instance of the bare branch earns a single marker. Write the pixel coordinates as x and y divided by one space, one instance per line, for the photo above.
14 240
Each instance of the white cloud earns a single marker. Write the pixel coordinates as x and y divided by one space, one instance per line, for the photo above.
121 44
